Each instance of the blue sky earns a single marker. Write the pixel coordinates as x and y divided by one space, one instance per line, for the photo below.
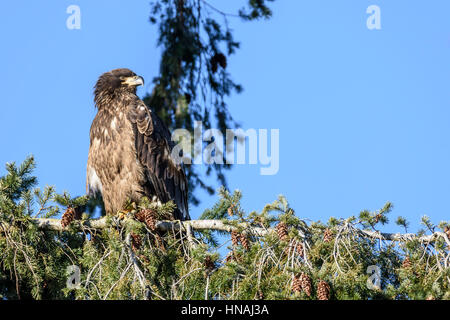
363 114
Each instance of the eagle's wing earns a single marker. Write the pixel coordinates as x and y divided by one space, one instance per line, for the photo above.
154 146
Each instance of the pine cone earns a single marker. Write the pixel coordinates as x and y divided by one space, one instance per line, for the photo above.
286 250
282 231
140 216
299 249
296 284
447 231
229 257
188 98
67 217
230 211
232 256
327 235
305 282
148 216
260 295
244 241
235 237
236 256
214 64
378 217
216 60
406 263
221 59
159 241
323 290
135 241
150 221
144 258
209 264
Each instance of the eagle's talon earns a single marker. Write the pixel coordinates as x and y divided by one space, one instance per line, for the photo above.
122 214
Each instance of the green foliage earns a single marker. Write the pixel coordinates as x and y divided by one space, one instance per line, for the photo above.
402 222
30 259
193 80
370 219
127 259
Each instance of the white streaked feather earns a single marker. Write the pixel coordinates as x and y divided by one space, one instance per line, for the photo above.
113 124
93 182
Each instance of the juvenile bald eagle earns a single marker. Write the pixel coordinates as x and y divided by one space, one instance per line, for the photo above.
130 147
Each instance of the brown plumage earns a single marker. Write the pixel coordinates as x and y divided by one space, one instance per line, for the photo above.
130 149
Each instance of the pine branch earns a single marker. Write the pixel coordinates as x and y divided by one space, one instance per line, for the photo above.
101 223
218 225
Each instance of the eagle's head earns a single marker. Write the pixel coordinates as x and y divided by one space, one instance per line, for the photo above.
115 82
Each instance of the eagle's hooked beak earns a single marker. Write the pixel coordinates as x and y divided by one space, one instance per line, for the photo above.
134 81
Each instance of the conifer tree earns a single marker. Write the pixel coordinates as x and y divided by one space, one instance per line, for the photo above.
142 254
